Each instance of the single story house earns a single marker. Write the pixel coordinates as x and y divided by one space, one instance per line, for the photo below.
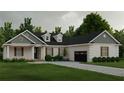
32 46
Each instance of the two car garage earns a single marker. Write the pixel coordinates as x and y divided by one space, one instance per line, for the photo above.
80 56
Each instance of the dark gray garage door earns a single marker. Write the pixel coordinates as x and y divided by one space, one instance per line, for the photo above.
81 56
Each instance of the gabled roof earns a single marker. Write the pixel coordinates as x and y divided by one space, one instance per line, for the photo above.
87 38
18 36
70 41
25 37
82 39
106 33
35 36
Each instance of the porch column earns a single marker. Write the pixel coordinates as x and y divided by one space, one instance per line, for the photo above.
32 52
7 51
43 53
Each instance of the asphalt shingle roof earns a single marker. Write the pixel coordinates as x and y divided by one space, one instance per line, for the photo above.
70 41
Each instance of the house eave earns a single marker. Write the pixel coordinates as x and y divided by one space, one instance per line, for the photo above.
15 44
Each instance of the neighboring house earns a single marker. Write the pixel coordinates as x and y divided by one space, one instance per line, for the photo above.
33 46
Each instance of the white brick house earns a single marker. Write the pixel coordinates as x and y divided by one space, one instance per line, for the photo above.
33 46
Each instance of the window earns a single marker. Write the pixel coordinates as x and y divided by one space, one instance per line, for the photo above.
59 51
47 37
59 39
46 50
18 51
104 51
52 51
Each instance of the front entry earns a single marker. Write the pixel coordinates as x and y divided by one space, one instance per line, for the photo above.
80 56
37 53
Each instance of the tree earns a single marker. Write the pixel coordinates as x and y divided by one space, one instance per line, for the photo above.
25 26
7 32
38 29
57 30
70 32
119 35
93 22
2 38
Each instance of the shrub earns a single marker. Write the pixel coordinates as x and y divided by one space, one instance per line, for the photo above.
117 59
21 60
99 59
103 59
57 58
112 59
48 58
95 59
106 59
6 60
15 60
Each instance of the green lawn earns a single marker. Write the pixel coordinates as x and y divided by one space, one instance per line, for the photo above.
110 64
48 72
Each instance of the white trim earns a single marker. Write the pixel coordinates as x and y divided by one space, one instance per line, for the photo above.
45 35
77 45
12 38
112 37
24 35
7 51
97 36
108 34
105 44
28 38
35 36
15 44
16 37
85 44
67 45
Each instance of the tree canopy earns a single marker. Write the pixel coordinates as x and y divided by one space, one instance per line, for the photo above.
93 22
27 25
119 35
70 32
38 29
57 30
7 31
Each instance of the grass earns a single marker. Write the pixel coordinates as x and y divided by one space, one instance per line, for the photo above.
49 72
109 64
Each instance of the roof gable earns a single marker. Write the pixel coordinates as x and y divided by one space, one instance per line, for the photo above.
104 37
96 37
20 39
36 39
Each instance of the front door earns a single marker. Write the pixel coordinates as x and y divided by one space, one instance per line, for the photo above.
36 53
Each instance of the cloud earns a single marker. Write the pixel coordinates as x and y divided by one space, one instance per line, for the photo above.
70 18
49 19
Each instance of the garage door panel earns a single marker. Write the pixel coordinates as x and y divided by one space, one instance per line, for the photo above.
81 56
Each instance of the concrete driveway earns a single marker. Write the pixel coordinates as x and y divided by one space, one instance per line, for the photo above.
96 68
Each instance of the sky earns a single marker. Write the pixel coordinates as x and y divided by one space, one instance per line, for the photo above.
49 19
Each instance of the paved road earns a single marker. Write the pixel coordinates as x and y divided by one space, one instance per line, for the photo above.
96 68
